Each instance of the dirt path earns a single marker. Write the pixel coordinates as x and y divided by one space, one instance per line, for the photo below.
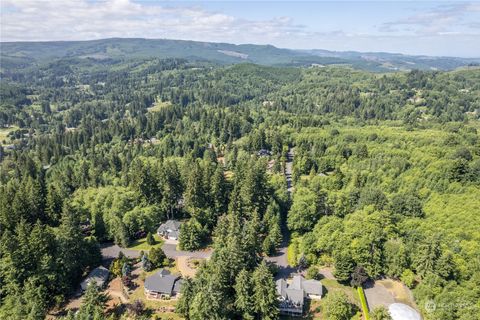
183 265
326 273
114 290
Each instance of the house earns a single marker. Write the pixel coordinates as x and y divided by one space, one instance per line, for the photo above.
290 300
292 296
170 229
264 153
98 275
162 285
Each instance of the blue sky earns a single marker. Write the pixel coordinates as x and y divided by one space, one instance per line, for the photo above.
448 28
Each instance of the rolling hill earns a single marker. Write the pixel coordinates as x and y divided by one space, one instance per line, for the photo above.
25 53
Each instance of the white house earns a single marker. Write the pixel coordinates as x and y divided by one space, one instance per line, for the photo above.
170 229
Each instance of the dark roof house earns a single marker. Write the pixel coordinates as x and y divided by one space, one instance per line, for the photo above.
162 285
98 275
264 153
170 229
291 296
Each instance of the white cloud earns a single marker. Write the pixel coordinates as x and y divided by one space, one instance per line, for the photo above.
80 20
436 32
440 20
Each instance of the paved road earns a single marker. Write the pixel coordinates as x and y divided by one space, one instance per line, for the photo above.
288 171
110 251
171 251
280 259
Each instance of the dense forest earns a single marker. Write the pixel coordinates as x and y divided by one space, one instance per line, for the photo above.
386 177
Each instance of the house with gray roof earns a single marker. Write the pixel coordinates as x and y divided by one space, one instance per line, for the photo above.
170 229
292 295
99 276
162 285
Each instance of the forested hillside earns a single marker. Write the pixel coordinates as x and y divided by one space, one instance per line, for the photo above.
386 177
20 54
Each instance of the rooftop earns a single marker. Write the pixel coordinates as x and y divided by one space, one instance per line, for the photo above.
169 226
162 282
298 289
98 275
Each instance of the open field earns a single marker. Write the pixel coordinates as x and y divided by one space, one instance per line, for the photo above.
159 105
4 132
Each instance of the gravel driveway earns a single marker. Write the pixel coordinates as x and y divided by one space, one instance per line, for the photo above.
377 295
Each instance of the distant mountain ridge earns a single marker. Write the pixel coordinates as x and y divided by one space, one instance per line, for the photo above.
24 53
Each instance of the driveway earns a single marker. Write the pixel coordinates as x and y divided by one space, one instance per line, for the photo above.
110 251
280 258
377 295
171 251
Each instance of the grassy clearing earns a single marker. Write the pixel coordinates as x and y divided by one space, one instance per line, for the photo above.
141 244
159 105
333 285
4 133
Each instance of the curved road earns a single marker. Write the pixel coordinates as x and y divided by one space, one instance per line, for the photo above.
110 251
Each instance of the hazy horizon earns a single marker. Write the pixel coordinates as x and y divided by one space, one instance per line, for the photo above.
445 28
240 44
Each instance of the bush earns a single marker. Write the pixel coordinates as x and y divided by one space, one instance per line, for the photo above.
336 306
150 239
408 278
312 273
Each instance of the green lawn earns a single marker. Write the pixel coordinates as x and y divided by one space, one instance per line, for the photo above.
334 285
363 303
141 244
139 294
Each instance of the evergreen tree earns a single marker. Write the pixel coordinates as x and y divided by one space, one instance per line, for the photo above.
93 304
191 235
150 239
343 266
244 299
157 257
264 293
194 192
187 294
219 191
